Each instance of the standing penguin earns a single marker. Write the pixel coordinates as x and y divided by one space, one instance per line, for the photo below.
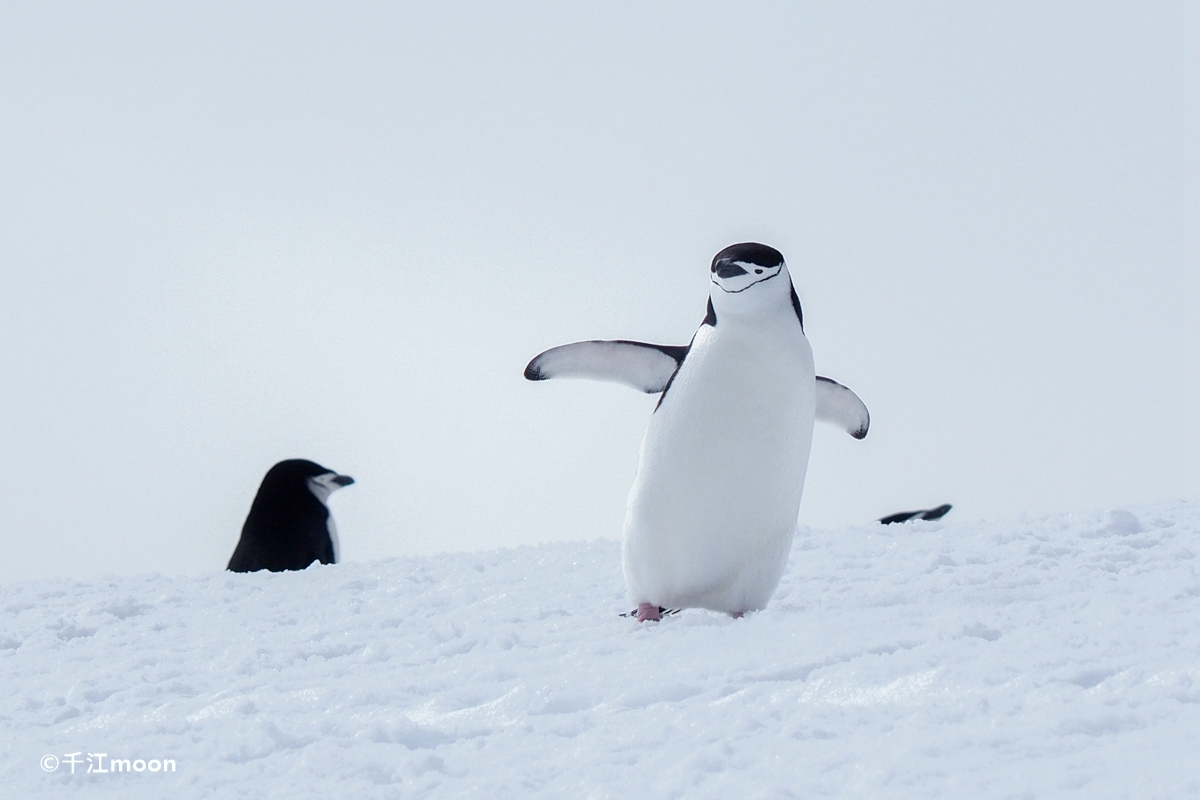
289 526
715 503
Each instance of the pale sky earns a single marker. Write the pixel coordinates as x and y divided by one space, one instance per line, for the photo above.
232 234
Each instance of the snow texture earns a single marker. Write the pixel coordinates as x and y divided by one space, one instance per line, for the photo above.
1047 657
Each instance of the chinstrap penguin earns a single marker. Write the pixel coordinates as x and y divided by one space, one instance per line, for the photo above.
714 506
289 525
905 516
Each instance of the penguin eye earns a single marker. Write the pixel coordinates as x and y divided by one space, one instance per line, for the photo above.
758 272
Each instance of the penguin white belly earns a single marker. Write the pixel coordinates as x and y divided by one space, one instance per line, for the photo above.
333 538
714 506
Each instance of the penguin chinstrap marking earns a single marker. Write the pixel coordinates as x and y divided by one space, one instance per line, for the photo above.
715 503
289 525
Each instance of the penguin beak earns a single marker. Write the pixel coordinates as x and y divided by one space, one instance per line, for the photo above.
343 480
727 269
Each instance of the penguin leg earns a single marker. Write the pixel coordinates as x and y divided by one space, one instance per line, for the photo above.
648 612
737 614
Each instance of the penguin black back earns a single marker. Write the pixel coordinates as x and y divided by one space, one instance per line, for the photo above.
289 526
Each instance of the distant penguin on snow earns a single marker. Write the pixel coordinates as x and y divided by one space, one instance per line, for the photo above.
714 506
289 526
928 513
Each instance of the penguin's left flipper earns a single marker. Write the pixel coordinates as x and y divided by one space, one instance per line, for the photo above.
645 367
839 405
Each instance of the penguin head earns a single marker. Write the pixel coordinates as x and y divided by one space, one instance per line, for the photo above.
287 476
743 274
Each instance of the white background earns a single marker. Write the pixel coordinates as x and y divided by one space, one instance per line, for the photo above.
232 234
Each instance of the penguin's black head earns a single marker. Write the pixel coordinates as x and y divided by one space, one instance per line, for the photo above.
740 266
297 472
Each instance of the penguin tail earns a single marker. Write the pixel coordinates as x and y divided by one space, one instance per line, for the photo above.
666 612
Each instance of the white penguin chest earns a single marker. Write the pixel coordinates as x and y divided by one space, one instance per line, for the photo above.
729 443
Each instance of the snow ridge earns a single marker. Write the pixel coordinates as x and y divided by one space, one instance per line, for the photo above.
1045 657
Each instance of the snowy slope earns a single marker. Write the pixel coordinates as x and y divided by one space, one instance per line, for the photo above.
1040 658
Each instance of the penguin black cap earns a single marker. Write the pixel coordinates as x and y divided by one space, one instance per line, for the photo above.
761 255
289 526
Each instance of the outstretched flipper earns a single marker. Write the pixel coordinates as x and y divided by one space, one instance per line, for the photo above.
905 516
645 367
839 405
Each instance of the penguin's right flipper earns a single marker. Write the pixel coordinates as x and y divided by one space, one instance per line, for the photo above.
905 516
645 367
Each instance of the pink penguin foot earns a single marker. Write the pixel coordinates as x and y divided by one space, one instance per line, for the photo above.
737 614
648 612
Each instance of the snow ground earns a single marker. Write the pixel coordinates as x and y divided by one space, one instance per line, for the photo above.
1046 657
